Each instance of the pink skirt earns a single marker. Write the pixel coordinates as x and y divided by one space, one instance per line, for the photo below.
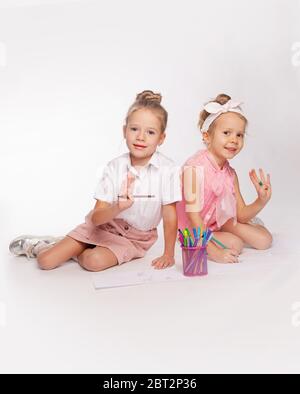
125 241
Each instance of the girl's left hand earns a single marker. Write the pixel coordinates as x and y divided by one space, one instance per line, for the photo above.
262 186
163 262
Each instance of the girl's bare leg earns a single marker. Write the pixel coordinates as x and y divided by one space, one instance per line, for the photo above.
254 235
61 252
231 241
97 259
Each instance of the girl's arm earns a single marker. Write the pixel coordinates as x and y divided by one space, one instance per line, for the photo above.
170 228
247 212
214 252
195 220
104 212
170 234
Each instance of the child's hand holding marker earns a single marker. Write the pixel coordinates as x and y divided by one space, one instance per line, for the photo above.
262 185
225 256
125 198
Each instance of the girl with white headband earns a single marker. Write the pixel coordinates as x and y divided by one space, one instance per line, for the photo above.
211 193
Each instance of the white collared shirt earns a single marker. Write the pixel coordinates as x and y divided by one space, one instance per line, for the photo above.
159 178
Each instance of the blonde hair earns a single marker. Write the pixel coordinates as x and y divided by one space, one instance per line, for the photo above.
152 101
220 99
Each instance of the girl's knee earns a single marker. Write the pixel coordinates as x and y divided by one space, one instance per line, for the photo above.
46 262
264 241
90 262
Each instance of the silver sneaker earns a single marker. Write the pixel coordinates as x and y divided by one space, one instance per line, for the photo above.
24 245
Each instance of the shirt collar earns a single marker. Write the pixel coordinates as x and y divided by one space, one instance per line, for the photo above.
154 161
214 164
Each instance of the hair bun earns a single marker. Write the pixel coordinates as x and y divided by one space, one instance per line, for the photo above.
147 96
222 99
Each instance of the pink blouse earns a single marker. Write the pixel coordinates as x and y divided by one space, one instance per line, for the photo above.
216 200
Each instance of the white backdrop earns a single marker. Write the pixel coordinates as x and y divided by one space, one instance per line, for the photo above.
70 69
68 72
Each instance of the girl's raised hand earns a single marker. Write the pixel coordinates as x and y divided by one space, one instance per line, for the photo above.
126 200
262 185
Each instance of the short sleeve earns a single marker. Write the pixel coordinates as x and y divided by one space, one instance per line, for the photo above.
105 190
171 185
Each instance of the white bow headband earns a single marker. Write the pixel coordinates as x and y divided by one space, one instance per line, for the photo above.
216 109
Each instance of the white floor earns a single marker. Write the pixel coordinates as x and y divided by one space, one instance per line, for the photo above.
241 318
68 72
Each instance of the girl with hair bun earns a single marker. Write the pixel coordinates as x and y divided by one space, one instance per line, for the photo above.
211 193
135 192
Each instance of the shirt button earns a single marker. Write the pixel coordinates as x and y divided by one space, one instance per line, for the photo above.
126 228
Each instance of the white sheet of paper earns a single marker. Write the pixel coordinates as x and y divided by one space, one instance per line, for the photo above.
138 275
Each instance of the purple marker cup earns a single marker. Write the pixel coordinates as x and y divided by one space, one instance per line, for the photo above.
194 261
